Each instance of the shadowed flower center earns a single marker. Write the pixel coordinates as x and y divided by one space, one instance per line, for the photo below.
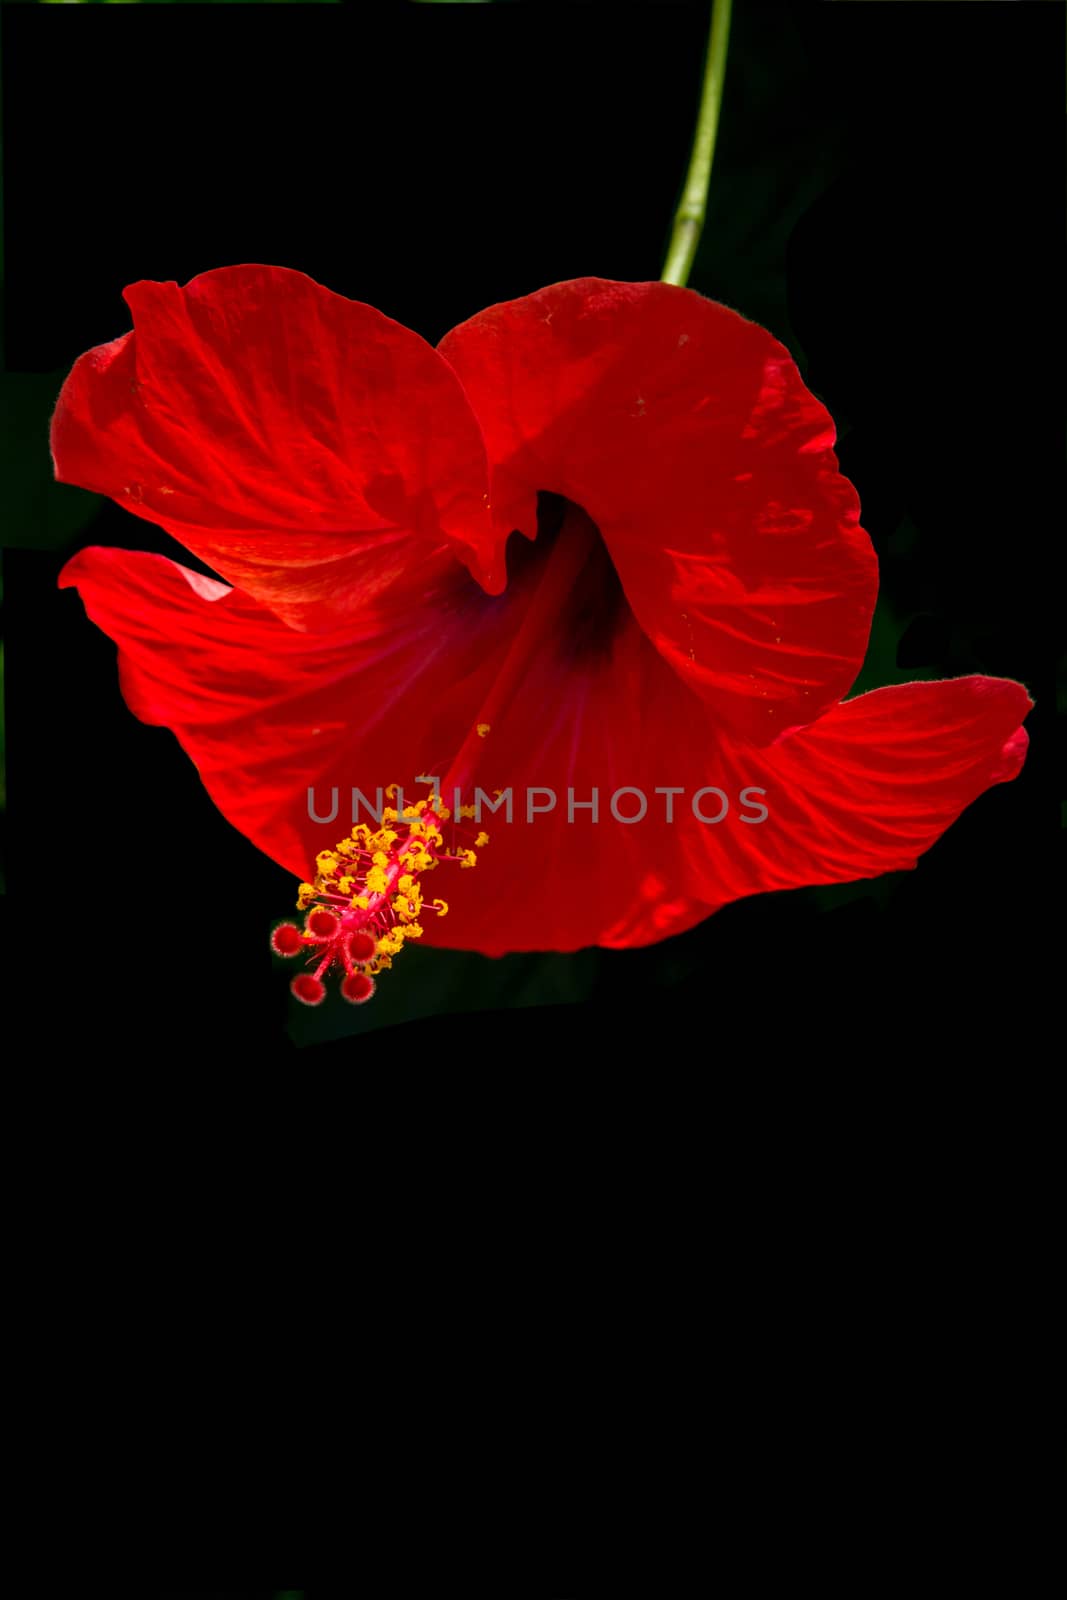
366 899
591 604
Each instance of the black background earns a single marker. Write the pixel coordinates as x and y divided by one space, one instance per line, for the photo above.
886 200
773 1196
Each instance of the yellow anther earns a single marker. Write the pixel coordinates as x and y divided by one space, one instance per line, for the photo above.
376 871
483 729
408 905
481 841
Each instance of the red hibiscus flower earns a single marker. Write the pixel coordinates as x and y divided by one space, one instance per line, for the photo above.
686 604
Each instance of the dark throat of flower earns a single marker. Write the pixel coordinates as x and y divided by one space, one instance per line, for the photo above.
367 897
570 551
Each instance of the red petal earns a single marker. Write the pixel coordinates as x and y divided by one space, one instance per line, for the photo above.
687 435
267 712
286 435
873 784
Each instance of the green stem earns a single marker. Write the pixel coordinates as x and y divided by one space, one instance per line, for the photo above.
689 218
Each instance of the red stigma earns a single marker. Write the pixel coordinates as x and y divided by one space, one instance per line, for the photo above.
362 945
310 991
286 940
357 988
322 924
